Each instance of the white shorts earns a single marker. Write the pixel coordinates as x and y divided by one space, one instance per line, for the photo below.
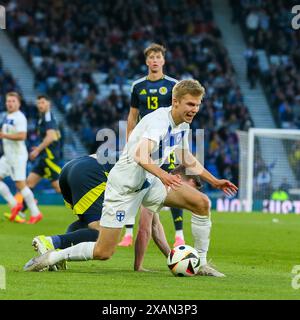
15 169
119 210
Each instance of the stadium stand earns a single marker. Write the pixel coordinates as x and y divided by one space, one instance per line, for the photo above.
87 55
267 27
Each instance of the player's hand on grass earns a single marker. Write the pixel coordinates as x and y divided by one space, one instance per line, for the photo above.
170 180
226 186
144 270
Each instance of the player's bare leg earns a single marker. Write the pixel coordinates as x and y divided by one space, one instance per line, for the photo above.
30 201
94 225
32 180
6 194
106 243
103 249
55 186
187 197
15 207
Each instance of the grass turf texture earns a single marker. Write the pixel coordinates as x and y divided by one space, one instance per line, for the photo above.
256 254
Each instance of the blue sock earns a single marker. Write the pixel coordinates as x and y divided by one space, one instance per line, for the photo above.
72 238
56 242
76 225
177 218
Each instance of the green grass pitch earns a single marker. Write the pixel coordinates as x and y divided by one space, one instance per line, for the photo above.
256 254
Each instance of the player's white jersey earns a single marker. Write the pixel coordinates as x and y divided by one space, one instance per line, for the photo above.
127 176
13 123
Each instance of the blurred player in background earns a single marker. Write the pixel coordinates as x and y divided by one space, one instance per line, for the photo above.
147 94
48 152
14 161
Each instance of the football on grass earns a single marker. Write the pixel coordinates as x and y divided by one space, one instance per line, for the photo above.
183 261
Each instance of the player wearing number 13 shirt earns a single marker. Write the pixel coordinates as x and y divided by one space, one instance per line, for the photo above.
148 94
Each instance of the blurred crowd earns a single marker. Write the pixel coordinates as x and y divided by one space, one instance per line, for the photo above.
267 26
69 42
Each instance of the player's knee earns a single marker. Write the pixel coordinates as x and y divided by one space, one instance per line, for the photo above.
102 254
202 205
30 184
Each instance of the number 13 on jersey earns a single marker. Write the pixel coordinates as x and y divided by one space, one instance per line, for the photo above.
152 103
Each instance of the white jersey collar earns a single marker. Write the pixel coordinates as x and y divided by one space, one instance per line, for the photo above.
171 118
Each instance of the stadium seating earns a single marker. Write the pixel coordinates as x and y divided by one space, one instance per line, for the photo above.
87 55
267 26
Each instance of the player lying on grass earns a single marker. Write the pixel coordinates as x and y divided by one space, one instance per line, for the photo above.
137 179
82 183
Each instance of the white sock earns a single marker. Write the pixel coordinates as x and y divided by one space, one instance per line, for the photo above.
129 232
29 199
7 195
201 226
179 233
80 252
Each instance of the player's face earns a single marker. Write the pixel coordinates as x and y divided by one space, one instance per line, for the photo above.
155 61
186 108
12 104
43 105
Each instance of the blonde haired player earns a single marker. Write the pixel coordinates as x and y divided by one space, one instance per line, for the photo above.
14 160
137 179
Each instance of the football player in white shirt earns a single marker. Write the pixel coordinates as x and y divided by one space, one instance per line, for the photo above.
13 162
137 179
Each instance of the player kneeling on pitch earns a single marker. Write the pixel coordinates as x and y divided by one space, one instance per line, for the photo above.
137 179
82 182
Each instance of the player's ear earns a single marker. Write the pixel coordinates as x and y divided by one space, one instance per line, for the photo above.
146 61
175 102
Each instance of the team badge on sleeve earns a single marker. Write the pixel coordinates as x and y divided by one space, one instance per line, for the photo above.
120 215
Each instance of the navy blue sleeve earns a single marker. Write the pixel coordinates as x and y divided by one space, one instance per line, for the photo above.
134 98
50 122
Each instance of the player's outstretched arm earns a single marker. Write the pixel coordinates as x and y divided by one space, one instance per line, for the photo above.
142 239
149 221
196 168
159 236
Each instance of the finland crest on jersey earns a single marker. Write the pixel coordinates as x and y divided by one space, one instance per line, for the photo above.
120 215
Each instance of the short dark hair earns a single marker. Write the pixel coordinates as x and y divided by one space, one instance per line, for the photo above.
181 170
43 96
